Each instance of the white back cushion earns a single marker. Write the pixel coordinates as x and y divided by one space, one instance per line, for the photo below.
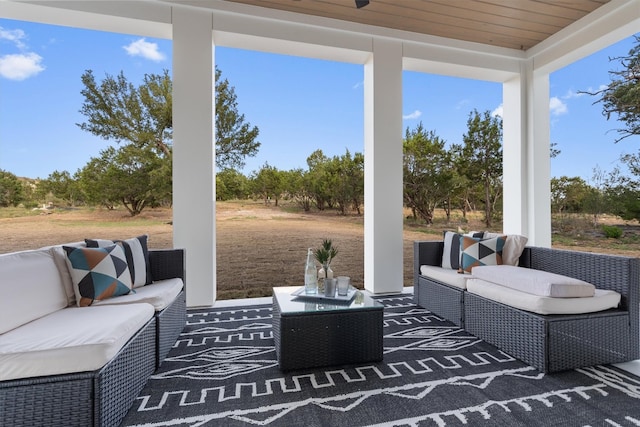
60 258
513 247
30 286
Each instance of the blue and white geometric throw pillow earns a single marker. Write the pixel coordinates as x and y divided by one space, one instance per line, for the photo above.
98 273
475 252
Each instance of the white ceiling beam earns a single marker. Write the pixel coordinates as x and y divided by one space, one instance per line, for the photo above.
290 38
460 63
148 19
607 25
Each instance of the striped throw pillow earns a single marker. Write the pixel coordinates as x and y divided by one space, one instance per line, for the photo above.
136 253
451 252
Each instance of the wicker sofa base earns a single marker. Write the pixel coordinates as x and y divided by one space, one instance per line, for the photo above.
170 323
446 301
100 398
550 343
166 264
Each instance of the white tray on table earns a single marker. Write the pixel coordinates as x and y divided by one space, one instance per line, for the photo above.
321 296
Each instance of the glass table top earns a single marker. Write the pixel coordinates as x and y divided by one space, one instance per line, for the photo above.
291 304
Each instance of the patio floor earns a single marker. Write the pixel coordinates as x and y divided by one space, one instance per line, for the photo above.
632 367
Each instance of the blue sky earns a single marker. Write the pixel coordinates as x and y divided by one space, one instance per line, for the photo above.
298 104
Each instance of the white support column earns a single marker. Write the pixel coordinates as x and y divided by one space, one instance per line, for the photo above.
527 166
539 162
193 152
514 152
383 268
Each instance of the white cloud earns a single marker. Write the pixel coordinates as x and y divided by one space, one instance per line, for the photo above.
20 66
498 111
557 106
412 116
358 85
462 104
14 36
571 94
145 49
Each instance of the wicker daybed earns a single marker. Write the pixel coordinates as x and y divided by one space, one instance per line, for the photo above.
101 397
548 342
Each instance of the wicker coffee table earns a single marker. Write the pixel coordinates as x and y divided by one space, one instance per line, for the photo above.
310 333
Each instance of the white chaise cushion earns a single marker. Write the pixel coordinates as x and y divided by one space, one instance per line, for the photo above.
535 282
159 294
30 288
446 276
76 339
602 299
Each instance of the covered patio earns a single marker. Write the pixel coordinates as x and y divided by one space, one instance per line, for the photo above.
515 43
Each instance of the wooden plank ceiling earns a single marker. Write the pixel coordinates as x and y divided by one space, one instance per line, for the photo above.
516 24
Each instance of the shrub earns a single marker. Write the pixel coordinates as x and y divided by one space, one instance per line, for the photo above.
611 231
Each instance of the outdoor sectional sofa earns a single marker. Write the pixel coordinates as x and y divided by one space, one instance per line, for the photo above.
69 365
549 342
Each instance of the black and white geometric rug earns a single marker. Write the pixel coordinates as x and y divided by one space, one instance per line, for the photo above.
223 372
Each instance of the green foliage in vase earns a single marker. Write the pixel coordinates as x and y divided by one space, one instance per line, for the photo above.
325 253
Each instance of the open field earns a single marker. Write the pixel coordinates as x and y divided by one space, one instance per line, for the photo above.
260 246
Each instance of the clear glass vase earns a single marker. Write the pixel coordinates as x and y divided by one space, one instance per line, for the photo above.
325 272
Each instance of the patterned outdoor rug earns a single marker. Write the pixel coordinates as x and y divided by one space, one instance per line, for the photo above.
223 372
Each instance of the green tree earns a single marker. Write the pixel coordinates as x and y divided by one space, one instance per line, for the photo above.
117 110
268 183
355 174
319 179
63 186
31 195
623 190
298 184
481 158
427 172
569 194
231 184
130 175
622 96
11 192
596 203
94 182
345 175
235 139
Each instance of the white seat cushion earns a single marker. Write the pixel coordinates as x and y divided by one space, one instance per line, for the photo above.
159 294
74 339
446 275
30 287
535 282
602 299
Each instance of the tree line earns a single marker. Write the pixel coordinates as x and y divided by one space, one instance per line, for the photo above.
136 177
458 177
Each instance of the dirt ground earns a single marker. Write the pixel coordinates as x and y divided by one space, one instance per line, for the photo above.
258 246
